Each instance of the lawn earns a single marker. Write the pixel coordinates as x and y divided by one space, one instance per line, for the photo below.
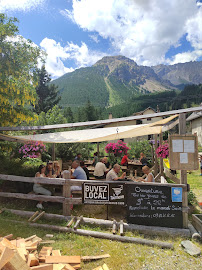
195 180
123 255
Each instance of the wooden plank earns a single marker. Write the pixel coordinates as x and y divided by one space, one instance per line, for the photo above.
32 197
63 259
32 260
98 122
71 222
6 243
30 237
5 257
33 216
38 180
105 267
39 216
114 227
56 252
45 251
8 237
98 268
16 263
43 267
92 258
121 228
22 252
68 267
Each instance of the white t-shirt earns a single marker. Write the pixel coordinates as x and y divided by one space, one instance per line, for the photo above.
100 169
111 175
146 179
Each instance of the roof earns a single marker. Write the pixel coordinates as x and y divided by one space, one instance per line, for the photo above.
194 116
142 112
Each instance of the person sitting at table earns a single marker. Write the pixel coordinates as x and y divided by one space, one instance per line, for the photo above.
113 173
38 189
143 159
50 173
56 168
125 160
78 157
100 169
148 173
107 163
95 159
78 171
83 166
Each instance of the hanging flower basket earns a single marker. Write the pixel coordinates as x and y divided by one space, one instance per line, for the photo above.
118 149
163 150
32 149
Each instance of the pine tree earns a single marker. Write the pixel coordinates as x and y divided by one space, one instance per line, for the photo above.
47 93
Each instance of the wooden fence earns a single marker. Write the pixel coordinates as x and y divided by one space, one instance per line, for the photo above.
66 199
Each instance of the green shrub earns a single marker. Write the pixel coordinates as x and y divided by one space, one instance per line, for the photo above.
140 146
192 198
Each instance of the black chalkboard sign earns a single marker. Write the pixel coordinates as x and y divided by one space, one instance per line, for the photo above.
154 205
103 193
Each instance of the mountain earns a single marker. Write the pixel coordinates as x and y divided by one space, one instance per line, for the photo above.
181 74
109 82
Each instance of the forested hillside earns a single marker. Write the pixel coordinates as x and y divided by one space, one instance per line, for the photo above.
109 82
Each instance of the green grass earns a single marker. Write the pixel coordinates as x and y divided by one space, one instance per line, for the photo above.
195 181
123 255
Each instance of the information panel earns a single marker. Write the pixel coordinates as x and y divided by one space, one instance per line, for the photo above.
154 205
104 193
183 152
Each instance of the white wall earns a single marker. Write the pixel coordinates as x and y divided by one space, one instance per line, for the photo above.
197 128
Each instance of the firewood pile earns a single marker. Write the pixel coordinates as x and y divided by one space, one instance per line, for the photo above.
24 254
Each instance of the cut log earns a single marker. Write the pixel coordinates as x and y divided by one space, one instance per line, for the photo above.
32 260
78 222
194 234
121 228
6 256
114 227
63 259
49 235
147 230
91 258
56 252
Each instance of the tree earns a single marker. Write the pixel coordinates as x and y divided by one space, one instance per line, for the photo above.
18 77
68 114
47 93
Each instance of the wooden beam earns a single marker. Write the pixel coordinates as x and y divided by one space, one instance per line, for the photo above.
161 159
92 258
53 151
99 122
63 259
183 173
38 180
32 197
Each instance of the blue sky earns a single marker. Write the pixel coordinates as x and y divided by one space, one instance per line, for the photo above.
77 33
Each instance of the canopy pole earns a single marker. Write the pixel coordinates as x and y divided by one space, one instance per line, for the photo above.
98 149
161 159
183 173
53 151
155 157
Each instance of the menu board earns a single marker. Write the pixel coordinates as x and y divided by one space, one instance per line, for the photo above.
154 205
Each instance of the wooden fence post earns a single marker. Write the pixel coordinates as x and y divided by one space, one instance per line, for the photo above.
183 173
67 194
155 157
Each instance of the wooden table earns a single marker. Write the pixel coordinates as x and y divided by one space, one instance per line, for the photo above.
136 166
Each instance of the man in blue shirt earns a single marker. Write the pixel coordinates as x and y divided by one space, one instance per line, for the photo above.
78 171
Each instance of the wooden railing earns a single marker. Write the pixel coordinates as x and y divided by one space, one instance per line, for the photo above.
66 197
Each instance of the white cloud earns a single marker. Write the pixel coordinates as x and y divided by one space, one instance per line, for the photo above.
186 57
57 54
24 5
143 30
94 38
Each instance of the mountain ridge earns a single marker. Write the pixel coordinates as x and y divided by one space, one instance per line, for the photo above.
114 79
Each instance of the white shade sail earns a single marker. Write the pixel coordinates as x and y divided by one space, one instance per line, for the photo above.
94 135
